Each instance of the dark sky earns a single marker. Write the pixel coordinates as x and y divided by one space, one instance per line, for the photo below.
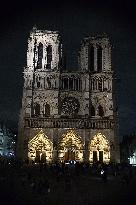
74 21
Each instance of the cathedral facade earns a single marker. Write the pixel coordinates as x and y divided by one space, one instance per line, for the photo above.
68 115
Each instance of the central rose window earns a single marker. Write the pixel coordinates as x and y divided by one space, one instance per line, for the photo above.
70 106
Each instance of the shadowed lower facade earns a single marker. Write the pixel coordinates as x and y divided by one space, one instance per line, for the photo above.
68 115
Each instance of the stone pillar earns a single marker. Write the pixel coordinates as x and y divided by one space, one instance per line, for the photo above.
54 155
86 152
62 83
102 84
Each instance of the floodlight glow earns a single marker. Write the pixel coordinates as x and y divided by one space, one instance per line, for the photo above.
97 144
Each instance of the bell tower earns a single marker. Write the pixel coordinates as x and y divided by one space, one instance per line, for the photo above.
41 83
95 59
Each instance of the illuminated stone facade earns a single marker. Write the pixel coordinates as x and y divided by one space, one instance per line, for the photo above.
68 115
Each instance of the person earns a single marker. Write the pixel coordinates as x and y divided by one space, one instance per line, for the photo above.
104 175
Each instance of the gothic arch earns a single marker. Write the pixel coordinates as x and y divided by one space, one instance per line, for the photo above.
100 111
70 146
49 56
99 148
99 58
46 110
91 58
40 148
37 109
40 55
92 110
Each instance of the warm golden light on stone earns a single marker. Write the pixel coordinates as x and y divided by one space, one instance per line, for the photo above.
70 146
40 148
99 145
69 105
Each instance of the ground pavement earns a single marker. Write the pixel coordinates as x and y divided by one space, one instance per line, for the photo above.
83 189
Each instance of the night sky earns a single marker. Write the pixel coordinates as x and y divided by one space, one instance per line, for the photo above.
74 21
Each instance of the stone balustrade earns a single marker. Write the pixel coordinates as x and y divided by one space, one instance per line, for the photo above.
69 123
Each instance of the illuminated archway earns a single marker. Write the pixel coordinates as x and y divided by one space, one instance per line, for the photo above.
40 148
70 146
99 148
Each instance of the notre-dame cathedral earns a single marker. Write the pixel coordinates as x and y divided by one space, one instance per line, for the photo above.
68 115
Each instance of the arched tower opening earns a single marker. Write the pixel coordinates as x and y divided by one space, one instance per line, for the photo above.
49 56
100 111
35 110
91 58
99 58
92 111
46 110
40 55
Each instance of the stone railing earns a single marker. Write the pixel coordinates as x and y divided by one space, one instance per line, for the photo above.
69 123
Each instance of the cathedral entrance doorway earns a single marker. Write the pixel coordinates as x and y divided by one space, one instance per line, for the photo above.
70 147
69 155
40 157
40 148
97 156
99 149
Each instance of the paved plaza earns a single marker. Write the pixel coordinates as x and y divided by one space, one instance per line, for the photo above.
39 185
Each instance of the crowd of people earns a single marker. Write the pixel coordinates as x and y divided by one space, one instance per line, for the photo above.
69 169
40 179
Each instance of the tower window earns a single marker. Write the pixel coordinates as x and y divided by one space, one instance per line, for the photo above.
40 55
37 110
49 57
99 58
100 111
38 84
48 82
46 110
92 110
91 58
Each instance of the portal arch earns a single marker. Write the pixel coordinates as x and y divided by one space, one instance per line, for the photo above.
40 148
99 148
70 146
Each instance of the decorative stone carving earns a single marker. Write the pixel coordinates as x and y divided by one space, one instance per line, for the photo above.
65 98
